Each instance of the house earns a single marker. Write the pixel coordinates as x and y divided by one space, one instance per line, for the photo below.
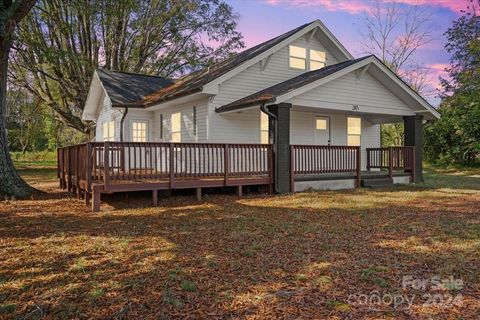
302 93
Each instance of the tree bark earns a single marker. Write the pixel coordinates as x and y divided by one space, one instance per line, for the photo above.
11 184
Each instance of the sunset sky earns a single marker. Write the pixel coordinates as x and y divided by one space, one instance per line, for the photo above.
261 20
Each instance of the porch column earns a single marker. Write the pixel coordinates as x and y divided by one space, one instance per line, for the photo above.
413 127
281 140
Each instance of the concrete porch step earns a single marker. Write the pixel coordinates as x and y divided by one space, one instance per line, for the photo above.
377 183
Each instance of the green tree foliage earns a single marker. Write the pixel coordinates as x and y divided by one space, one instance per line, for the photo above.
455 138
25 123
392 135
61 42
33 127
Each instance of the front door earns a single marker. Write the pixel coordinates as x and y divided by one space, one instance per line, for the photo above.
322 131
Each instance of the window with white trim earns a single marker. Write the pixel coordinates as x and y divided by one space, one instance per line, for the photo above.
109 131
298 57
263 128
321 123
139 131
354 131
176 127
317 59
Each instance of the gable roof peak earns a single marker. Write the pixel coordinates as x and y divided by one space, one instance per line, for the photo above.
197 80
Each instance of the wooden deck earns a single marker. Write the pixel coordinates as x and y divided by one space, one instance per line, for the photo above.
93 169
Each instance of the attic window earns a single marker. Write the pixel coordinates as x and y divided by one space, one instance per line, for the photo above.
317 59
298 57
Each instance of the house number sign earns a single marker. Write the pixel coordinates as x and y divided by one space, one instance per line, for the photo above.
355 107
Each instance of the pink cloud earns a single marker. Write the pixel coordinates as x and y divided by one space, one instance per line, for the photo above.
454 5
350 6
359 6
436 70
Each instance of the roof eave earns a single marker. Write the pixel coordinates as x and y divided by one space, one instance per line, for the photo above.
173 97
235 107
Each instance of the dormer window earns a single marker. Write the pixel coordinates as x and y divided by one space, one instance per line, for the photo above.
317 59
298 57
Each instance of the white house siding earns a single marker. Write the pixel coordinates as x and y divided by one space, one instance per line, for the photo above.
187 129
367 93
302 126
107 114
245 126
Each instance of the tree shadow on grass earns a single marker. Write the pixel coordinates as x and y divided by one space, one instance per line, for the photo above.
262 256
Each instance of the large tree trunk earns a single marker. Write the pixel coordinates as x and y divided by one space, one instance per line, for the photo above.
10 182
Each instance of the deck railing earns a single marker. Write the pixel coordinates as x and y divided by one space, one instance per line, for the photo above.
113 163
311 159
392 159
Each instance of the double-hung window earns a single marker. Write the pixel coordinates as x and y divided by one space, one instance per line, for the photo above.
317 59
298 57
263 128
176 127
109 131
354 131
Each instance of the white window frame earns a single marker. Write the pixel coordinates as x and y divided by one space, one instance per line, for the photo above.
310 59
177 131
354 134
108 131
147 128
307 58
264 130
297 57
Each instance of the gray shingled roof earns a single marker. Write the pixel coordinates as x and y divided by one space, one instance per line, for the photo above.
270 94
195 81
125 88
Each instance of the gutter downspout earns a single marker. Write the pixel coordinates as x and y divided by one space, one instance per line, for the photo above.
121 123
265 110
274 140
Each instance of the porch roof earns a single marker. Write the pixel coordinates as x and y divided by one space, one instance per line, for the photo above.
284 91
270 94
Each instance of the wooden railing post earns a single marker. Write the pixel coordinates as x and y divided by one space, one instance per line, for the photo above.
106 166
292 169
69 169
172 165
368 159
390 162
226 163
89 173
413 173
77 171
358 165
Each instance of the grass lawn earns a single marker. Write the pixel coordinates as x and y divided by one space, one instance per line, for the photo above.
322 255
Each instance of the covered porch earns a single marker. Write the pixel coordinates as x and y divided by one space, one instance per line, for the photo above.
355 159
325 124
